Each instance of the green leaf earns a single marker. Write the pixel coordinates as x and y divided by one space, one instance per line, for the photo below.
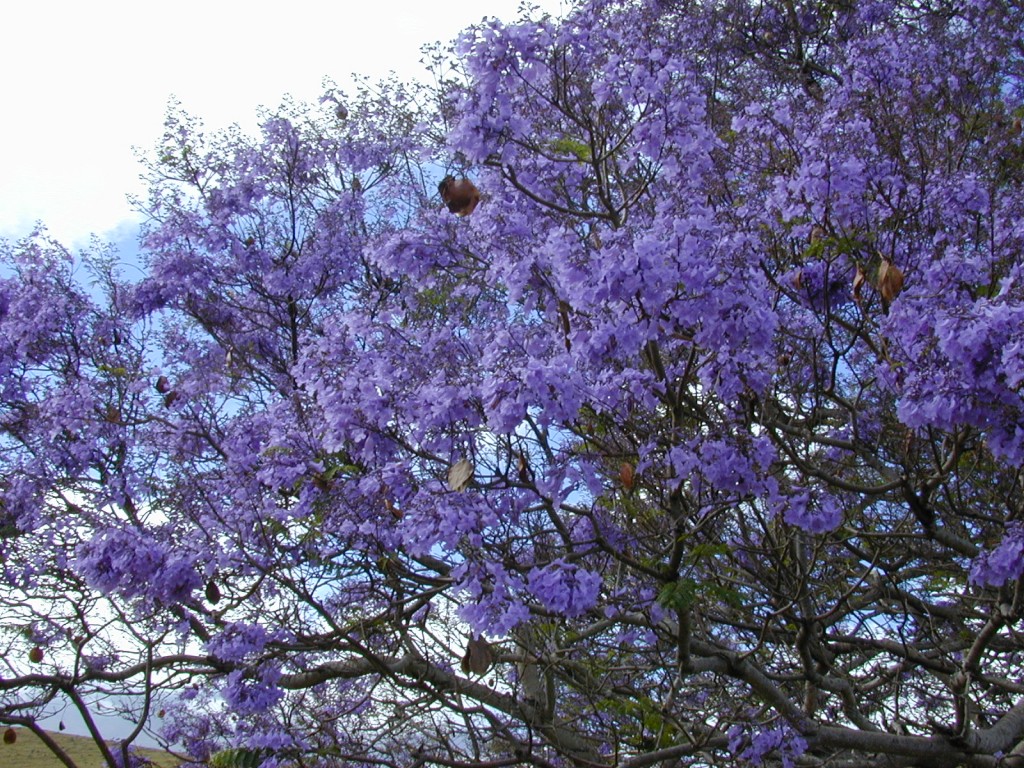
706 552
574 147
678 595
238 758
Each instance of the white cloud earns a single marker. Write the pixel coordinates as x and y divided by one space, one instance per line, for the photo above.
82 83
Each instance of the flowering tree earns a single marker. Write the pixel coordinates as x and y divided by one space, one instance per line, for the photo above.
646 391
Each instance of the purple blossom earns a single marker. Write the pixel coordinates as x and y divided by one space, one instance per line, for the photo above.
1003 563
496 605
134 760
252 692
237 642
134 564
753 745
817 513
564 588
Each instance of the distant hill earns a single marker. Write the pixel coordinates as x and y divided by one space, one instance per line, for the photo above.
29 752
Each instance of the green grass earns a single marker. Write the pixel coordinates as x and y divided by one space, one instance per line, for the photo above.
29 752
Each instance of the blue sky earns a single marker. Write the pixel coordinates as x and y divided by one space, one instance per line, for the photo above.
82 83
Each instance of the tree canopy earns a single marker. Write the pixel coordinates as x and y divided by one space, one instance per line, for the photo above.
646 390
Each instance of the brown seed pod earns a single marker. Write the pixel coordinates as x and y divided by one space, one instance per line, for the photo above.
460 195
10 736
212 592
35 655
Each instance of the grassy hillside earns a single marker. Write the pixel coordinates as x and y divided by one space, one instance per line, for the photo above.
29 752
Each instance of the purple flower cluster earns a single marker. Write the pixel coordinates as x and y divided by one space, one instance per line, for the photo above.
134 760
565 589
814 513
191 720
1003 563
495 605
967 365
252 692
753 745
136 565
238 642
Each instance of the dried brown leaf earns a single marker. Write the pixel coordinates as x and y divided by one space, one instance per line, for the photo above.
460 475
390 507
627 475
890 281
858 282
478 658
523 471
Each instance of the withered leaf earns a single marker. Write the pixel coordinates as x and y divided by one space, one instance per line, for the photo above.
523 471
627 475
460 475
563 312
478 658
390 507
890 280
858 282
